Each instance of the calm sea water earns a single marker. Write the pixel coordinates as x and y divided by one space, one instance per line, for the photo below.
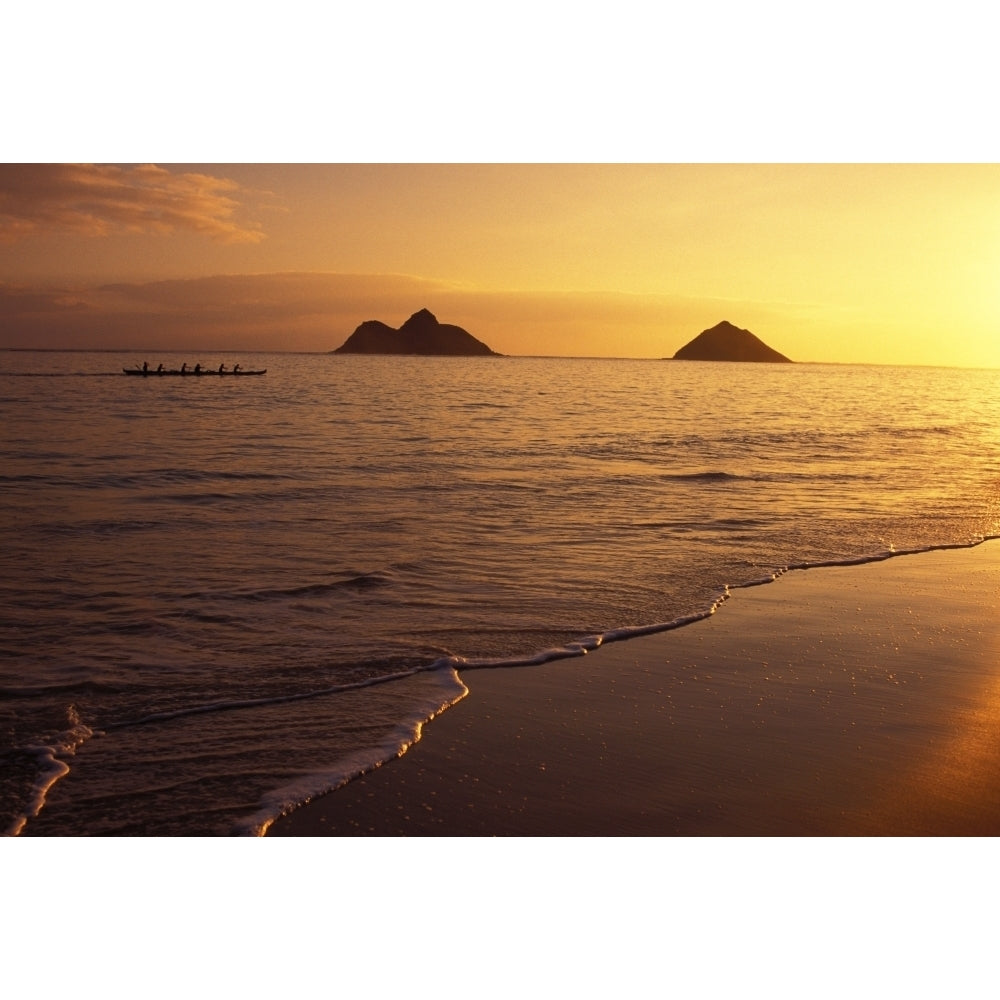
221 597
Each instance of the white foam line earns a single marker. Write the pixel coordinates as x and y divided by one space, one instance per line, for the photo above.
289 797
864 560
52 770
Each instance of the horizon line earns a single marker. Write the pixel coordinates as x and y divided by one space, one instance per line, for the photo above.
543 357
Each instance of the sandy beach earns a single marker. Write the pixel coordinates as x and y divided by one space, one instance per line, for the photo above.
837 701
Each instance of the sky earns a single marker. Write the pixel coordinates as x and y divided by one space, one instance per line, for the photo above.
844 263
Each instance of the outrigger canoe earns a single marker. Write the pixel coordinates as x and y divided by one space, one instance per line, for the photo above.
152 373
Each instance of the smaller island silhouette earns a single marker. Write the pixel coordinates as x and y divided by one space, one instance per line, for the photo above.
420 334
725 342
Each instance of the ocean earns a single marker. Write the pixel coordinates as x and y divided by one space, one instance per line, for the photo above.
220 598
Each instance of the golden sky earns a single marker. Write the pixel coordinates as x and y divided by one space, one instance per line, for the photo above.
839 263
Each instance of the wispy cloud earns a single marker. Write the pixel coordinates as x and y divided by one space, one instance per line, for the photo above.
101 200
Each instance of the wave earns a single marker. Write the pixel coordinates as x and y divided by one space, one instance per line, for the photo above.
358 582
58 374
789 476
703 477
44 690
51 767
153 477
282 699
367 581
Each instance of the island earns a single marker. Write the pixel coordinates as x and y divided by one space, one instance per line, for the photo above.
420 334
725 342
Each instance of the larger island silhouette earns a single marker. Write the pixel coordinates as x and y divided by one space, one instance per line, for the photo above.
420 334
725 342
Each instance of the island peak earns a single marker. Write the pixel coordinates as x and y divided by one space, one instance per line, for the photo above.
727 342
420 334
420 317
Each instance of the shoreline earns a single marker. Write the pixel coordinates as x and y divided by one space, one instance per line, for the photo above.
836 701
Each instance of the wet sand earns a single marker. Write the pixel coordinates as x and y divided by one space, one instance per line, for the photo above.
857 700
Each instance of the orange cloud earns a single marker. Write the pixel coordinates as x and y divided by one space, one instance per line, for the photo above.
100 200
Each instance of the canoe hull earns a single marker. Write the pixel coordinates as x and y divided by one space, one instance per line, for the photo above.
178 372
